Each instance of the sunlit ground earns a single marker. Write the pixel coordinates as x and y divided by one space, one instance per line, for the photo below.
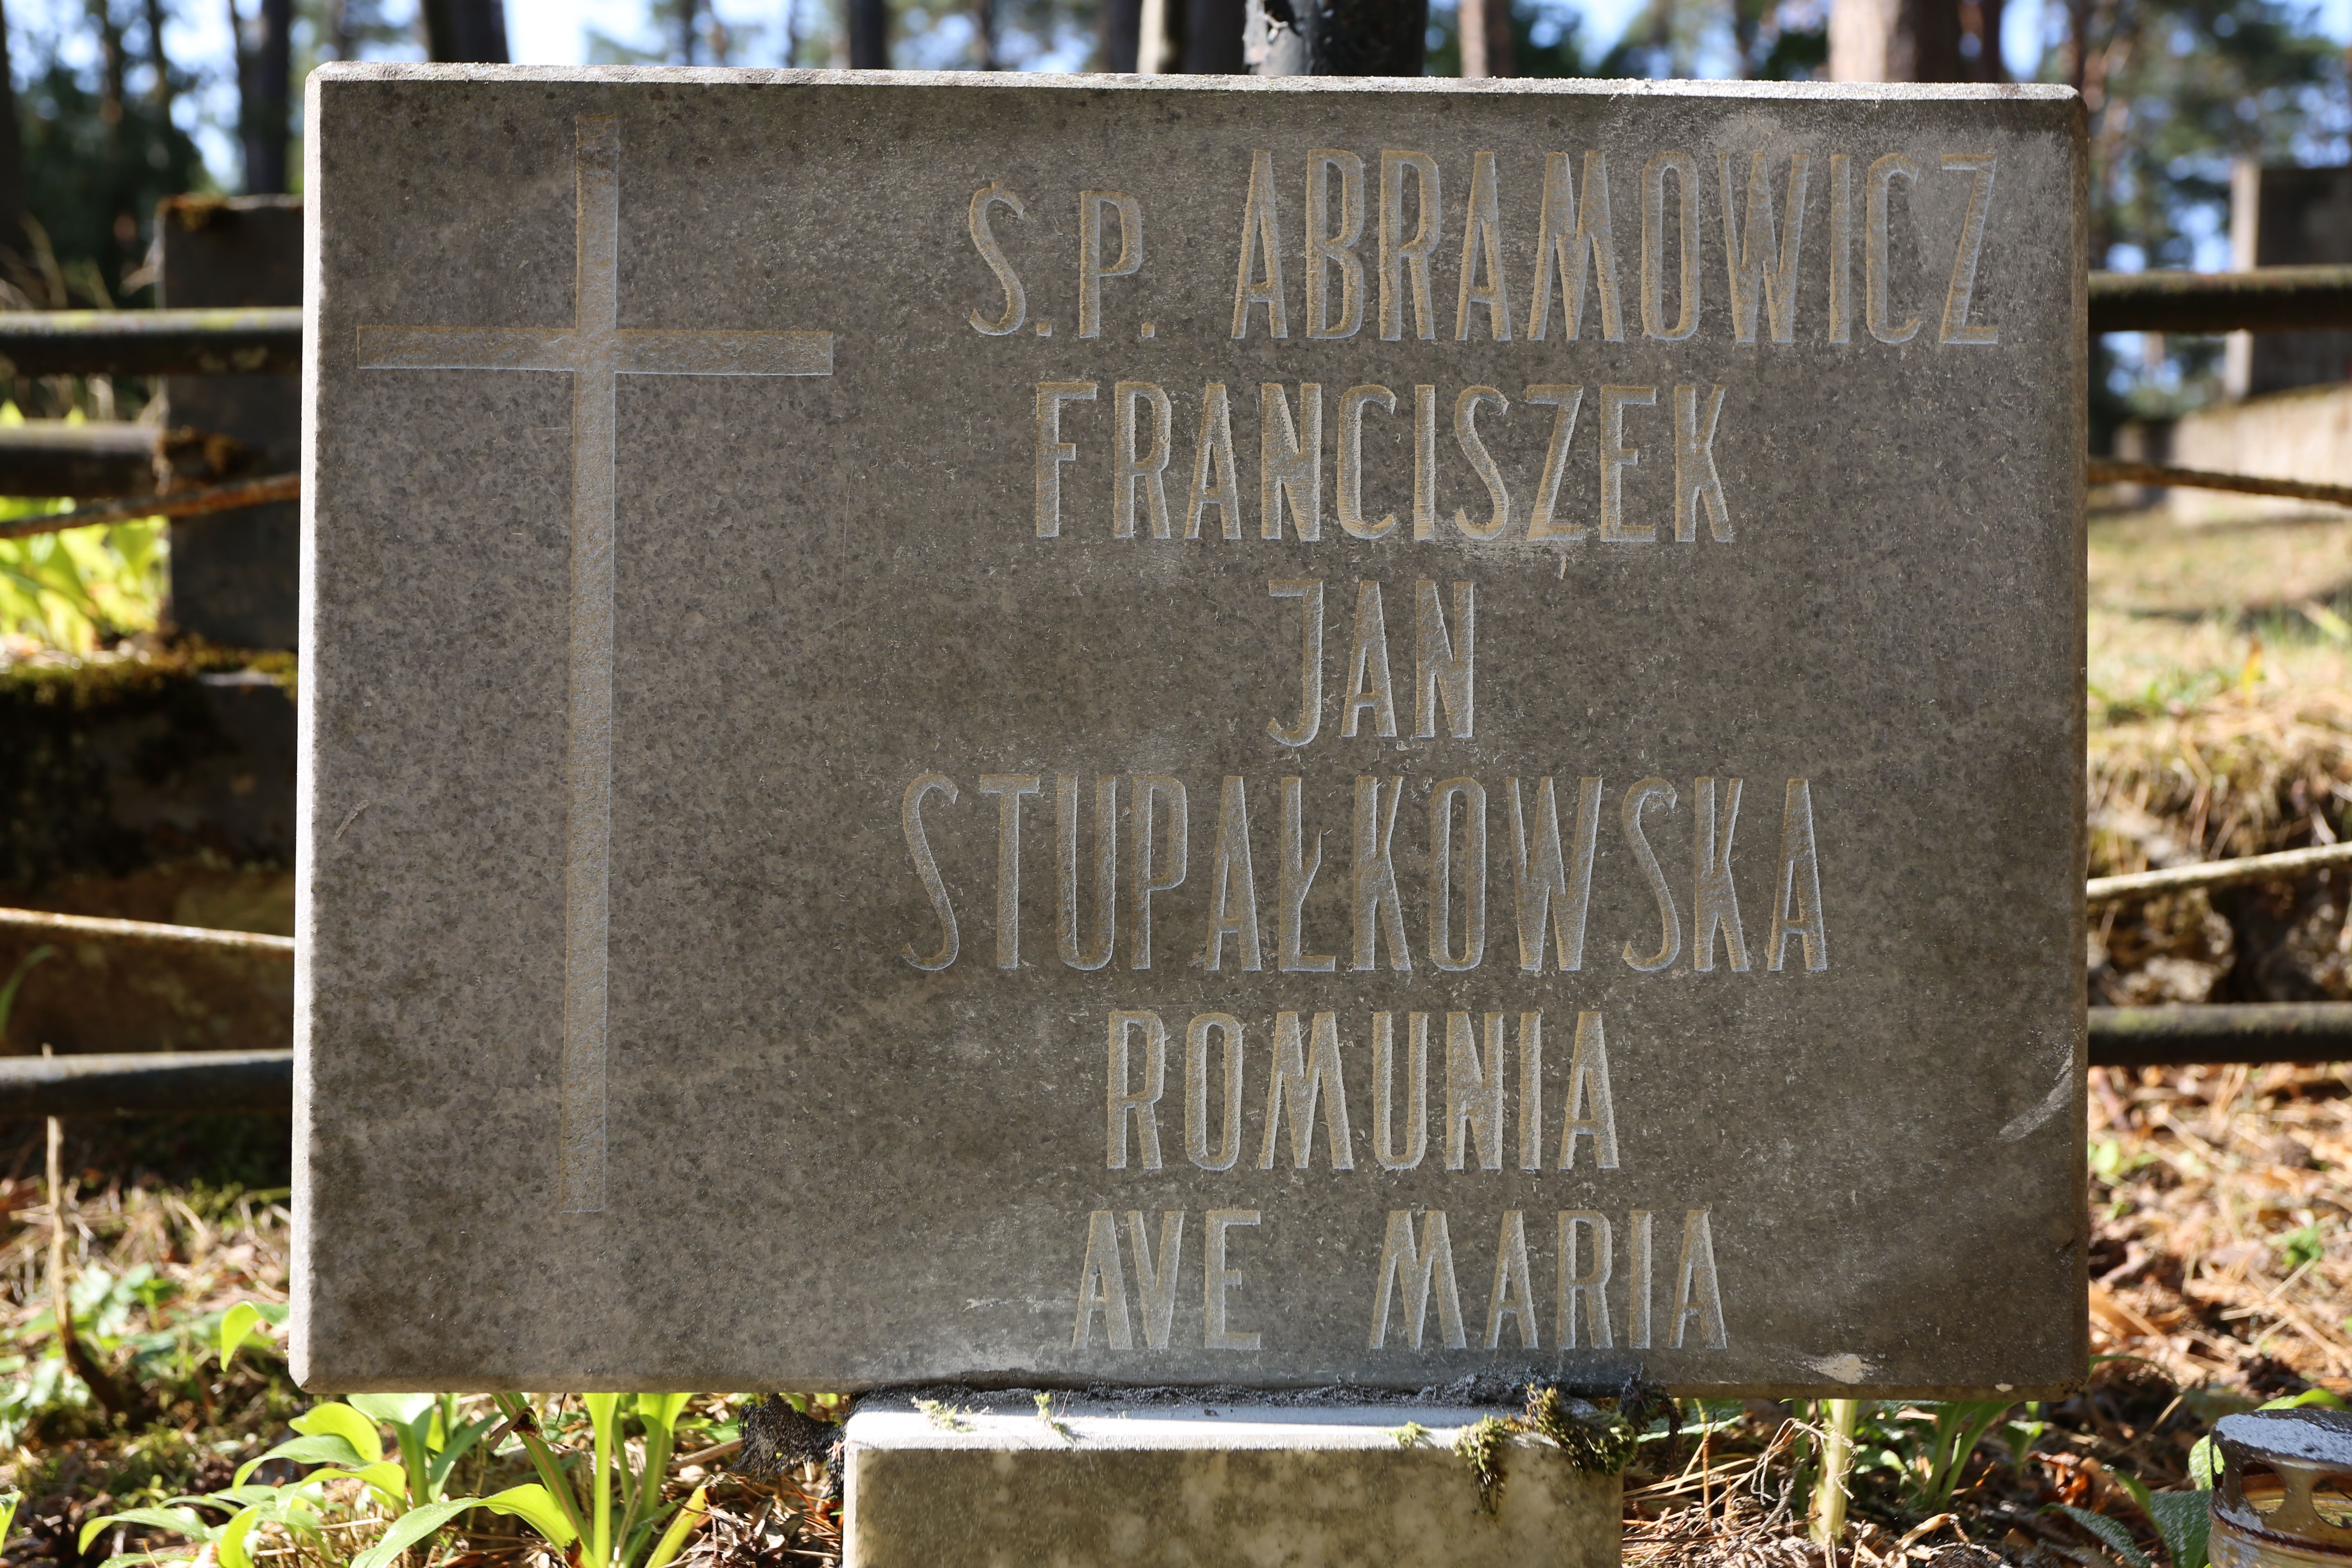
2180 615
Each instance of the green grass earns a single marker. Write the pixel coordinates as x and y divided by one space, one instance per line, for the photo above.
71 592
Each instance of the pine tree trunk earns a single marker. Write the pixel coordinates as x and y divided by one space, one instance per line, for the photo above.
1896 40
1122 34
161 64
1980 20
123 233
265 69
1486 39
1335 38
869 35
1212 38
465 32
15 253
984 36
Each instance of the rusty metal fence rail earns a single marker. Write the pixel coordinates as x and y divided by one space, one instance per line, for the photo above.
2269 300
269 342
248 341
239 496
255 342
147 1083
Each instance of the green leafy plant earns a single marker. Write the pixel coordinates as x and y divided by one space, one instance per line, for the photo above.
1833 1460
2183 1520
246 1321
2111 1532
1929 1446
8 990
947 1418
123 1321
1924 1446
2301 1248
342 1439
1054 1424
637 1538
287 1509
2018 1436
1591 1438
406 1483
69 589
66 590
1480 1446
2110 1161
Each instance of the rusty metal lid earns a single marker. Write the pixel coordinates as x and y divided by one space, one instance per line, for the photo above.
2297 1467
2307 1435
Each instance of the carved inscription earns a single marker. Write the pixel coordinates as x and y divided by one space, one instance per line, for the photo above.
1509 886
1390 213
1676 426
1406 861
1282 1084
1753 208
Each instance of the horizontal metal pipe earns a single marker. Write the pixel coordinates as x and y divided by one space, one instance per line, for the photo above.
152 342
231 496
2267 299
269 339
2113 471
2226 1032
103 458
162 1082
2217 873
92 927
145 1083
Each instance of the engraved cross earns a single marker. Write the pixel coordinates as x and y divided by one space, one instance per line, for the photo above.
593 351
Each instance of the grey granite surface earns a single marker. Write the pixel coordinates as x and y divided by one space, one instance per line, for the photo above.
725 647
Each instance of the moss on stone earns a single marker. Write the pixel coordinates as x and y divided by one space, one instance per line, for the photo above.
1598 1441
1480 1446
1592 1438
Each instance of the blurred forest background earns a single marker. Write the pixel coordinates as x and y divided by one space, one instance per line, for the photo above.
106 119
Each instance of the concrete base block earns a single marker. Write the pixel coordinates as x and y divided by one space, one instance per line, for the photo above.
1210 1486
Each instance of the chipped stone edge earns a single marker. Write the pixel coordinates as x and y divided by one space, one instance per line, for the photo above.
1107 1425
1503 87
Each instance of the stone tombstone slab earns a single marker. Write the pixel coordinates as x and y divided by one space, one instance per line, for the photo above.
1272 733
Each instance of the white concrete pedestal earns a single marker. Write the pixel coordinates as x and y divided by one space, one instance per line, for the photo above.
1208 1486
